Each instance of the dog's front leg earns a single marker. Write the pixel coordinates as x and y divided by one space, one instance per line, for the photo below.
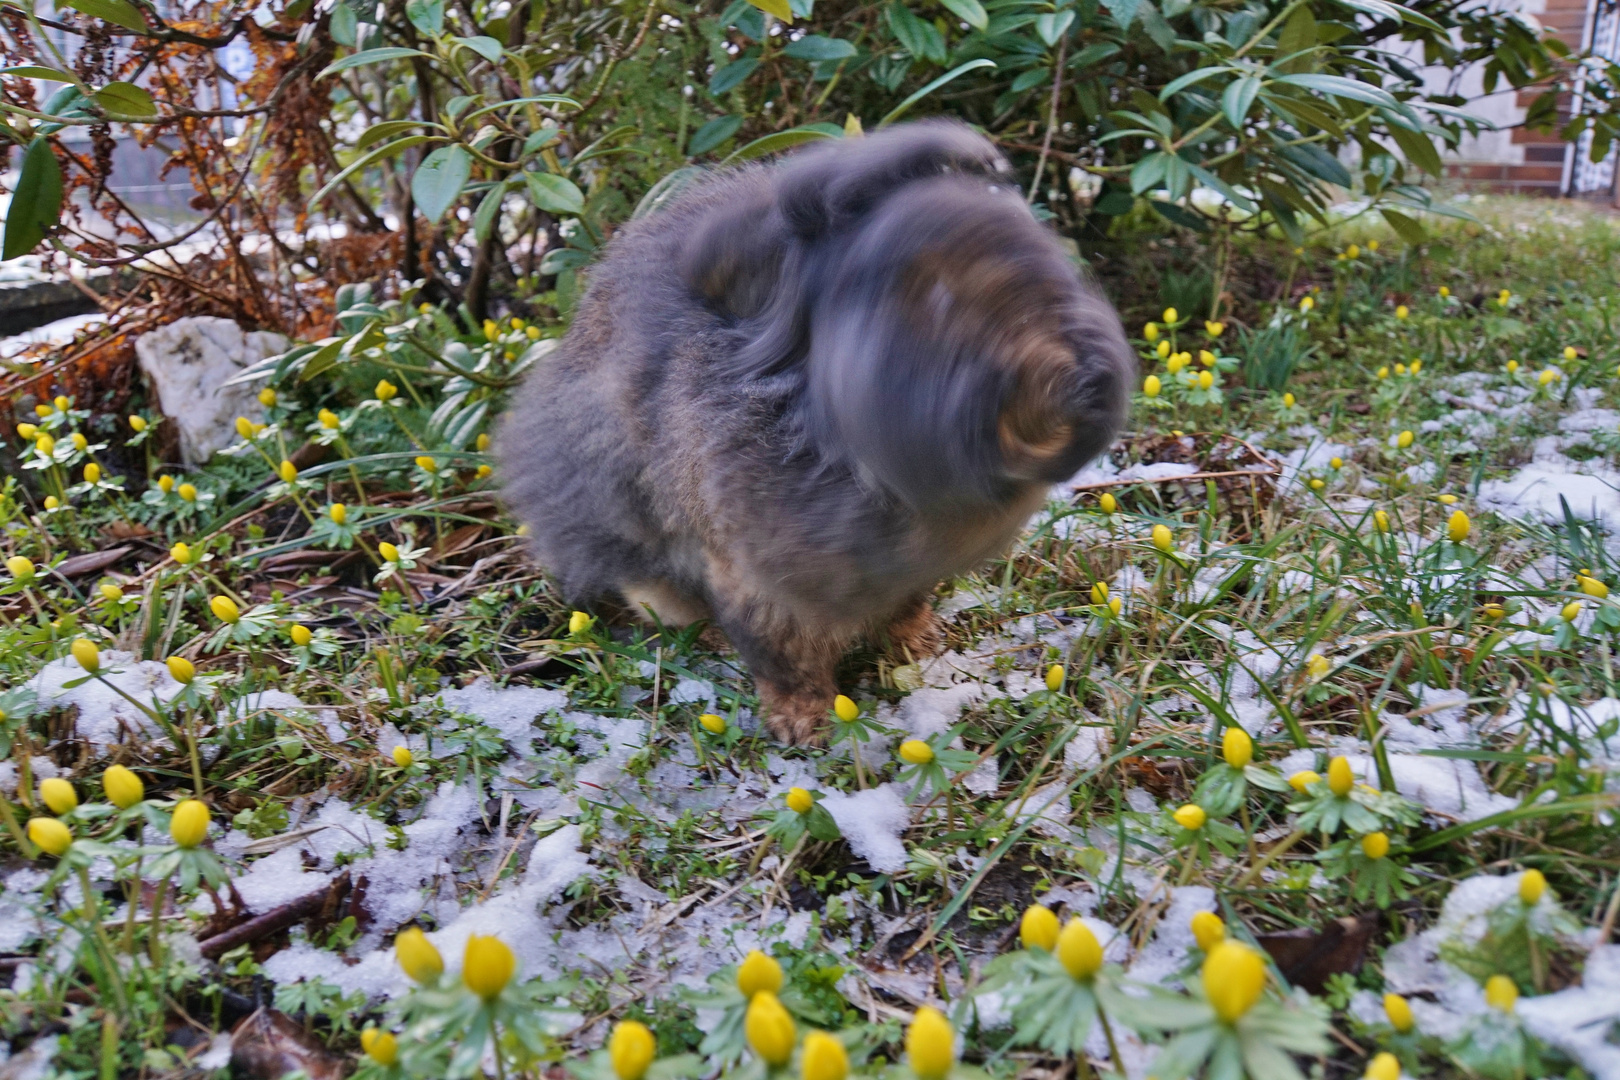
793 670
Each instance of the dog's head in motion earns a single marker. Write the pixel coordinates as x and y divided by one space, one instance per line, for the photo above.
947 342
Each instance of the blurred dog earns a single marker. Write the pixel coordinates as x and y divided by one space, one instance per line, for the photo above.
797 398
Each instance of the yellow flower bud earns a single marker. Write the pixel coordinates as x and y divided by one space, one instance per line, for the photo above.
1571 611
482 442
301 635
487 966
1208 930
714 725
1399 1012
52 502
1302 780
189 825
1591 586
1151 386
1151 331
1532 886
1289 401
1503 297
631 1049
43 411
1317 483
329 419
1039 928
930 1044
824 1058
1162 349
1236 747
1163 539
225 609
1079 951
1404 440
1457 526
137 424
1383 372
124 789
418 956
769 1029
532 333
61 403
799 800
1353 251
1381 521
1115 606
165 483
1307 303
79 441
58 794
1234 977
1383 1066
845 709
1171 315
386 390
1214 329
1099 592
1512 366
1206 358
1415 366
110 592
380 1046
92 473
187 492
388 551
1206 379
492 330
1107 503
578 622
1500 993
1401 312
1547 377
1191 816
244 427
338 512
1375 845
1054 677
21 567
757 974
181 669
27 431
1340 778
50 835
287 471
85 652
402 756
484 472
916 752
45 445
427 464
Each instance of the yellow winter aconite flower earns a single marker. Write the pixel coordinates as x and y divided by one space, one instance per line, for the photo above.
1317 666
225 609
328 418
1512 366
1399 1012
1039 928
1302 780
1236 747
1099 592
338 512
1151 386
916 752
1208 930
187 492
27 431
1405 439
1054 677
124 789
769 1029
1446 500
418 957
1493 611
714 725
1375 845
845 708
1457 526
427 464
1151 332
1445 291
1162 538
532 333
1416 366
58 794
1547 377
386 390
484 472
52 502
1213 328
20 567
49 835
1115 606
244 427
1591 586
1401 312
137 424
1570 353
165 483
1500 993
1206 379
1234 977
758 973
1107 503
1503 297
1171 315
824 1058
380 1046
45 445
1353 251
1079 951
110 592
1162 349
1339 777
287 471
301 635
631 1049
42 411
487 966
390 553
799 800
1532 886
930 1044
267 397
402 756
1381 521
1317 483
85 652
482 442
1190 816
189 825
181 553
1336 463
92 473
1383 372
1206 358
1383 1066
1571 611
181 669
578 622
61 403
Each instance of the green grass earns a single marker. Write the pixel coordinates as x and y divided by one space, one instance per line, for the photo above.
1289 602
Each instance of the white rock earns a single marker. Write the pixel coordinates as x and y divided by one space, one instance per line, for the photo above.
189 361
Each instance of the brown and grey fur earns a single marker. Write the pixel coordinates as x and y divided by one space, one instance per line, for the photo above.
799 396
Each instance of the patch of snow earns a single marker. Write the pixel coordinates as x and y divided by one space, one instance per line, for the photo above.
105 718
872 821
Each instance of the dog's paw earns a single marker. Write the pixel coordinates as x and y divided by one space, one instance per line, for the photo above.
918 634
796 717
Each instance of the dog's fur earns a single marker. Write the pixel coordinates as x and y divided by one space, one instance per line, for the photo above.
799 396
